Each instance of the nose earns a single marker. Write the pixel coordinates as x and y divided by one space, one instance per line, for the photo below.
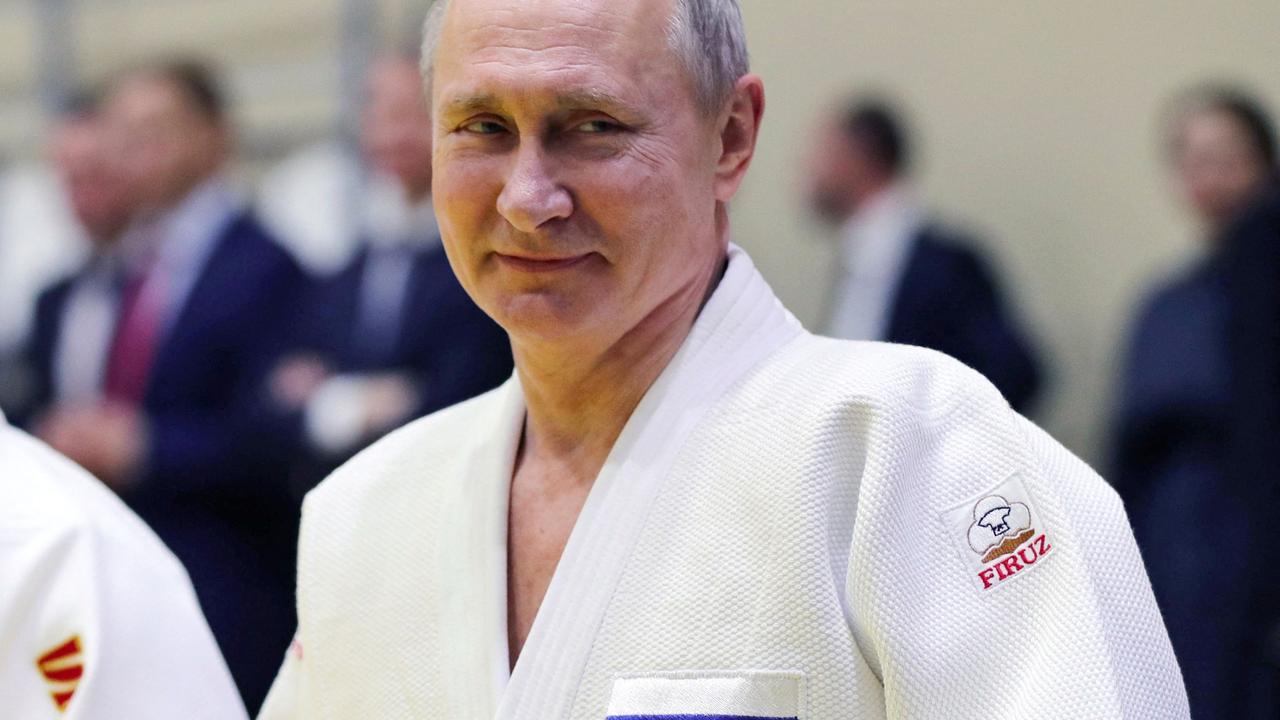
532 197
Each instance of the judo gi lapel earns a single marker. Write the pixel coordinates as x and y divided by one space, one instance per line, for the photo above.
470 566
741 325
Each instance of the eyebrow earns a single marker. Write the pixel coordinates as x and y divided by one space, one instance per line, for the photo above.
571 100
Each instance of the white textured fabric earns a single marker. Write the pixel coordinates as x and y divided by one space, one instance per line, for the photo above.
79 572
778 503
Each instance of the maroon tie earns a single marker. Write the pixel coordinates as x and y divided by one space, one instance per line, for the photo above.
134 345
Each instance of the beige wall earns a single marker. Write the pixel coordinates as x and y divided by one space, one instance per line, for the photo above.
1037 125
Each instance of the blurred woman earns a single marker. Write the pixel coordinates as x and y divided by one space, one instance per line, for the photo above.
1193 503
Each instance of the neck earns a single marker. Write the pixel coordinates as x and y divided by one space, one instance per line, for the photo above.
872 192
578 402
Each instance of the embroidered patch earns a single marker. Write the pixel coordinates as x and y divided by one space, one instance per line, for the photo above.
707 696
62 667
1000 534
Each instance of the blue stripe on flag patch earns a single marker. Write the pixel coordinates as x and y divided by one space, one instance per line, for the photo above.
696 717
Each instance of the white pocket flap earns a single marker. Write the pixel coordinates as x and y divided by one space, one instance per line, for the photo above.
708 696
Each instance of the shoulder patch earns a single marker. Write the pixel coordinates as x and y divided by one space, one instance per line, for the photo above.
999 533
62 667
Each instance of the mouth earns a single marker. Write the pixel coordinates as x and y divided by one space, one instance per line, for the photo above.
542 264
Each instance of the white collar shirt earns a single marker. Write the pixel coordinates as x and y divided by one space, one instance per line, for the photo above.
875 245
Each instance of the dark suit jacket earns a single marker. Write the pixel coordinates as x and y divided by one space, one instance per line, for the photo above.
1197 449
947 300
214 486
445 344
1252 278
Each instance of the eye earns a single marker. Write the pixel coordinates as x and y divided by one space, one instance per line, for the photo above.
597 127
483 127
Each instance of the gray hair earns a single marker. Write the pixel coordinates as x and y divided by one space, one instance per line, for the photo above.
708 35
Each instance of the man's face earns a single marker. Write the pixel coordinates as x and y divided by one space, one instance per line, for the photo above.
573 172
167 145
397 124
831 169
1216 167
839 173
91 177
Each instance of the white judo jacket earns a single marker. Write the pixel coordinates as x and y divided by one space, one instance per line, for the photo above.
98 620
788 527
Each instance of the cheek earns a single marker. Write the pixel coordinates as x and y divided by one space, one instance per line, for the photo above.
465 193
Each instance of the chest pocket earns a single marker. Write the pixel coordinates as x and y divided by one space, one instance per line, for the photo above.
708 696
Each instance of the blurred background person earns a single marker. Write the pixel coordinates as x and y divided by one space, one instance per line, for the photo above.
41 242
200 299
1199 487
392 336
903 277
74 318
1252 275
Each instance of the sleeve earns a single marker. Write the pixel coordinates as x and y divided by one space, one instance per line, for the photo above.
112 632
283 702
994 576
156 656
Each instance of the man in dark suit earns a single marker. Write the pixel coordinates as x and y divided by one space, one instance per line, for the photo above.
903 278
393 335
165 408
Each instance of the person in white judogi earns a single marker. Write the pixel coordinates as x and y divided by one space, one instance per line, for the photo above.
683 504
97 617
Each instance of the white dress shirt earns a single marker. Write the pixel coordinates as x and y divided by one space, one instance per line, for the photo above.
178 242
875 245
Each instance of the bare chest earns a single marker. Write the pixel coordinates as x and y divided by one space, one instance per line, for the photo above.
541 519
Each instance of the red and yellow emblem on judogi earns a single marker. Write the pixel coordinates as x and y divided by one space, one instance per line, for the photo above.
62 667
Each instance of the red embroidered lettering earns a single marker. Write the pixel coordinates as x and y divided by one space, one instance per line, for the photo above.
987 576
1042 545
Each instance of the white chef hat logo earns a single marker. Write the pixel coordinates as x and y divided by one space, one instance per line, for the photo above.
994 519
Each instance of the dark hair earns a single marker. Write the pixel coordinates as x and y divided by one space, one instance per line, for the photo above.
876 126
195 79
80 103
1242 107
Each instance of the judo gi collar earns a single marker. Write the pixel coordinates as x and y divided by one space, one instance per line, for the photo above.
742 324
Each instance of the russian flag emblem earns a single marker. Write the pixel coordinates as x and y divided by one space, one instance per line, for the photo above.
707 696
62 667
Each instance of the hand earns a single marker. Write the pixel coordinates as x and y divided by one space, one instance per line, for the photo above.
110 440
296 379
389 400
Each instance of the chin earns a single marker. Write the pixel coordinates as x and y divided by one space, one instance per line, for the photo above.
545 316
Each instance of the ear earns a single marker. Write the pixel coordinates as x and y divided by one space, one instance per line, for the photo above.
738 128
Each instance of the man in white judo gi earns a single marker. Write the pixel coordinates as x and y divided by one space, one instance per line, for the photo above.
97 617
682 504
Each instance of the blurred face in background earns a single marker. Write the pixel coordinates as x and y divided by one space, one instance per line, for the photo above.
1218 168
576 178
167 144
839 174
91 176
397 125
